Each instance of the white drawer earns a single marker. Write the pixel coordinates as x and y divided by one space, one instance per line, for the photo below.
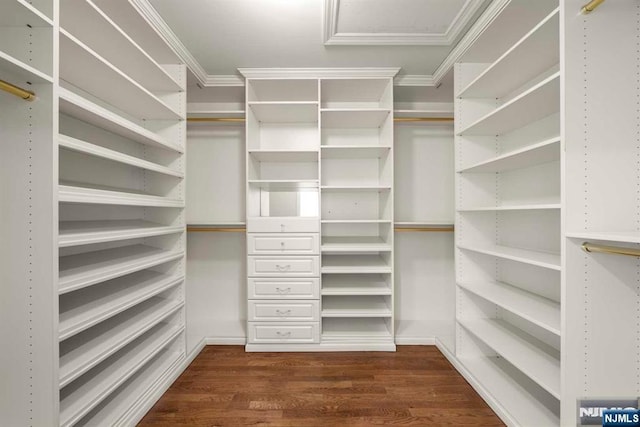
272 244
265 288
283 225
284 311
283 266
283 333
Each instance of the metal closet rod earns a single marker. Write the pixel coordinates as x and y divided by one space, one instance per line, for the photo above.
616 250
591 6
27 95
244 229
395 119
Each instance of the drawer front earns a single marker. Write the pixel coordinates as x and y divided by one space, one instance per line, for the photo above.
264 288
283 333
284 311
283 266
283 225
272 244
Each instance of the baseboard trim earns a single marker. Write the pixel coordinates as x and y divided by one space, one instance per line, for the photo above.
320 347
415 340
225 341
500 410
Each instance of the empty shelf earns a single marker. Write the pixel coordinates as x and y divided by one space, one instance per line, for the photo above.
88 23
540 259
542 206
87 111
356 221
282 156
536 52
355 244
79 146
535 103
340 329
283 184
534 358
535 154
20 73
353 151
73 233
285 112
87 307
102 195
85 69
86 269
354 118
507 384
631 236
354 264
355 306
355 188
354 284
83 394
133 390
19 13
82 352
540 311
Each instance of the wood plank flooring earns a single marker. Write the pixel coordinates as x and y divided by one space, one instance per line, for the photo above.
416 386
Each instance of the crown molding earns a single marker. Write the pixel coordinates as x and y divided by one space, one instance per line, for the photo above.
331 36
414 80
151 15
224 80
477 29
271 73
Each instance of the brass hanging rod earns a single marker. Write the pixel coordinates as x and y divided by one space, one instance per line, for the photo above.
591 6
395 119
17 91
603 249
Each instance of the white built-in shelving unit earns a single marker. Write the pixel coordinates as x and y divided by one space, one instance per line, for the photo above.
104 170
508 225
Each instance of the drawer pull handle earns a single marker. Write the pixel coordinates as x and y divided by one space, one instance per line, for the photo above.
283 334
283 291
283 267
283 313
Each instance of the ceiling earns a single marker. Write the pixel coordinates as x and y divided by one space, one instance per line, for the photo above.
223 35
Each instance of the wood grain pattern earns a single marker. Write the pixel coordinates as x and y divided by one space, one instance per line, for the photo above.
416 386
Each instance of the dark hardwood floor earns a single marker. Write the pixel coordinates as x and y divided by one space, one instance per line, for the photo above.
416 386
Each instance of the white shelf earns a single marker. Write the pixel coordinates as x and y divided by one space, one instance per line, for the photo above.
84 68
82 395
281 156
506 384
73 233
543 206
78 193
16 69
538 310
79 146
350 329
354 264
19 13
536 52
354 118
540 259
91 25
356 221
221 114
282 184
353 151
610 236
537 102
285 112
532 155
353 284
86 269
355 306
355 188
535 359
87 307
87 111
108 413
355 244
439 113
85 351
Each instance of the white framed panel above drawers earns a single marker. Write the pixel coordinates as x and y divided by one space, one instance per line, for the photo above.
283 244
274 266
283 333
283 288
283 311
